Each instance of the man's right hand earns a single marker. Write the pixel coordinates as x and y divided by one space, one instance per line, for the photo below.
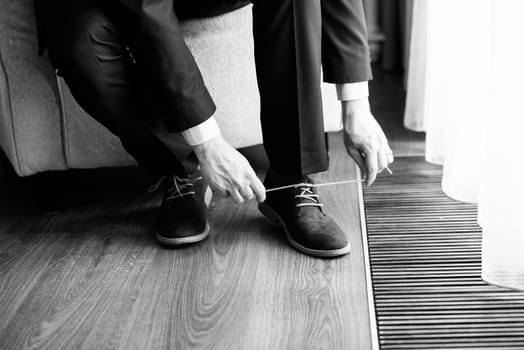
228 172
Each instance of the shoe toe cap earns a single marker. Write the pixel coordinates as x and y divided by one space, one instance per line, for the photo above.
182 228
322 235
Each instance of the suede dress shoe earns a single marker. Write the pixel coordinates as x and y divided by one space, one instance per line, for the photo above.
183 213
308 229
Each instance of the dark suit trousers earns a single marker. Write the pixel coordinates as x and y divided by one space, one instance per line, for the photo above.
94 47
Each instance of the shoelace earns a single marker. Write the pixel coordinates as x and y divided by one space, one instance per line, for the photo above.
315 185
306 192
181 186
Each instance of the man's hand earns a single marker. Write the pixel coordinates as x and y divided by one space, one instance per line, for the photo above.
228 172
364 139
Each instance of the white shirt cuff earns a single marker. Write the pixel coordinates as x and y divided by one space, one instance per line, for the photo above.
202 132
352 91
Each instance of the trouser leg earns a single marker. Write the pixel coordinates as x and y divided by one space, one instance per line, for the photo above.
91 54
288 58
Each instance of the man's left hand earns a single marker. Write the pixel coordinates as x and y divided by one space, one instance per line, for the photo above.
365 141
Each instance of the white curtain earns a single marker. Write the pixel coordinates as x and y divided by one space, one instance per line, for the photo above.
466 90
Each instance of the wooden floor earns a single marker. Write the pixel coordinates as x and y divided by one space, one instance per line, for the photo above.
93 276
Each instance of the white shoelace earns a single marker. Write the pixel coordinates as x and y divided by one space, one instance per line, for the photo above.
314 185
306 192
182 186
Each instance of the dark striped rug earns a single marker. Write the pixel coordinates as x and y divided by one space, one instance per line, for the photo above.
425 256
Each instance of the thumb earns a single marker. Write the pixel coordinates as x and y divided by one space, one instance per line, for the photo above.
359 159
258 188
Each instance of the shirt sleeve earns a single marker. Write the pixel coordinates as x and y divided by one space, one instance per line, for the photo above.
352 91
202 132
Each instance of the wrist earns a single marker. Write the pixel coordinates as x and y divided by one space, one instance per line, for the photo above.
355 109
202 149
211 148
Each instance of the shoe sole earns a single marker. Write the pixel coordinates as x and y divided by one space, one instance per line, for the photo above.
273 217
183 240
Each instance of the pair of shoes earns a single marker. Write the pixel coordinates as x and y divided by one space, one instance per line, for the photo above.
299 211
183 215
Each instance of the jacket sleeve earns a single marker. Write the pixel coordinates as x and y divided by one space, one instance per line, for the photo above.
345 50
156 42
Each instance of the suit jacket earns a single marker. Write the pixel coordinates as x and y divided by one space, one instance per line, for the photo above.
345 49
154 34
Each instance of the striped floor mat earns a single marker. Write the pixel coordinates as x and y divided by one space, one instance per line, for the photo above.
424 253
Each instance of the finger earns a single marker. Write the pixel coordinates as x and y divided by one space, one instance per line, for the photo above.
389 153
371 166
247 193
220 192
382 160
357 157
236 197
258 188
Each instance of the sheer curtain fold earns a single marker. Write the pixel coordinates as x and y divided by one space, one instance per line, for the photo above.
465 79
